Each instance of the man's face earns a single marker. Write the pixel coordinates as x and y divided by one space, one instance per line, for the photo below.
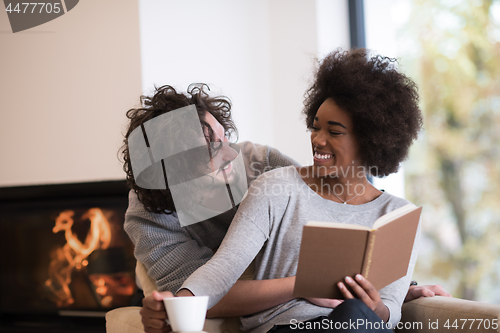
204 180
222 154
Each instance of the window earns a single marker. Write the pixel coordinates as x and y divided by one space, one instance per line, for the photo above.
452 50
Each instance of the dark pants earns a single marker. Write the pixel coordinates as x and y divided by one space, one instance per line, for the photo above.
351 316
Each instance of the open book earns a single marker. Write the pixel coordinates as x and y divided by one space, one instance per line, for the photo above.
331 251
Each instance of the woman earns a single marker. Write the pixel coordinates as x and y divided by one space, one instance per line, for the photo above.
363 116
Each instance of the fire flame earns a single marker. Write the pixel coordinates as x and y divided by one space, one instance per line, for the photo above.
73 254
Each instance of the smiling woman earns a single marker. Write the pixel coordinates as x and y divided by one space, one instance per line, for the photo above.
363 116
362 113
382 103
336 151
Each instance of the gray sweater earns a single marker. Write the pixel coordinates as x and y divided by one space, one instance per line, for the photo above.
268 226
171 252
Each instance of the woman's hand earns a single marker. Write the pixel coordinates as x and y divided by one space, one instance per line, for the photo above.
153 312
366 292
325 302
425 291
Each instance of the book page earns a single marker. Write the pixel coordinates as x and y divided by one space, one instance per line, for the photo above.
395 214
336 225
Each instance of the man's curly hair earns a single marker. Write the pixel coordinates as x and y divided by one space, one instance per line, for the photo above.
382 103
166 99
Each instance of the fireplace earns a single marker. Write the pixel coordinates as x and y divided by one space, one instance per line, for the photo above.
65 259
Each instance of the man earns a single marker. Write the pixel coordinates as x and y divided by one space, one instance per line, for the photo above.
172 249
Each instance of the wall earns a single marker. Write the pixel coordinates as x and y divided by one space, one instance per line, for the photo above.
259 53
64 89
65 85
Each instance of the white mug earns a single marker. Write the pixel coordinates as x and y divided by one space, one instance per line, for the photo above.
186 314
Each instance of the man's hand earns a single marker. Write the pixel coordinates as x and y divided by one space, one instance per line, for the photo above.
153 313
325 302
366 292
425 291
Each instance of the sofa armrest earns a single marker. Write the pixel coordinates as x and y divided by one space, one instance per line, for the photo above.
148 285
128 320
432 313
124 320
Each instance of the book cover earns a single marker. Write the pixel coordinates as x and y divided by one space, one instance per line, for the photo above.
331 251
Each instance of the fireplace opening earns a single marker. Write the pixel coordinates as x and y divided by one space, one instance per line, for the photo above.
63 251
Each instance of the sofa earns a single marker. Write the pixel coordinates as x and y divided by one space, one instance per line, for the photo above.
431 314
